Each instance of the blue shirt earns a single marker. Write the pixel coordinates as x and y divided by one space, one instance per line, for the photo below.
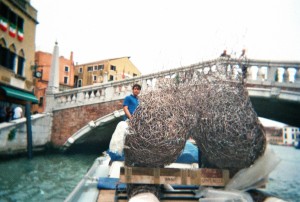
131 102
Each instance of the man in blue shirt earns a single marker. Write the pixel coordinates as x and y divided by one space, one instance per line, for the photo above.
116 144
131 101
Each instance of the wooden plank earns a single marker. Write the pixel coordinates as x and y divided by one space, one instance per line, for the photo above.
175 176
106 195
110 196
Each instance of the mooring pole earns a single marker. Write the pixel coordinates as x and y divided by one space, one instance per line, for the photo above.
29 131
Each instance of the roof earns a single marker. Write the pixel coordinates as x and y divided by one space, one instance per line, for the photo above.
101 61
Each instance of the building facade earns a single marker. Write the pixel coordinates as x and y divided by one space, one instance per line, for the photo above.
289 135
104 71
274 135
42 70
18 20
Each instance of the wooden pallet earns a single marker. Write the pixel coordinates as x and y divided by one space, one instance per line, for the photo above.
174 176
166 196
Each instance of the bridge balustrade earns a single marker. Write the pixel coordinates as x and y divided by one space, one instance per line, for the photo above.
259 72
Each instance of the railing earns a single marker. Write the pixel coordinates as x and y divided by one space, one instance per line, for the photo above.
267 74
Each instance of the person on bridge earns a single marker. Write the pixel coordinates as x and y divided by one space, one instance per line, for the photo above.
244 67
224 54
131 102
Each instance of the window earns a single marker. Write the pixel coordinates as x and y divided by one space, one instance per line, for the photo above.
100 67
11 58
79 83
90 68
41 101
21 62
111 78
113 68
80 70
95 68
66 69
4 10
94 78
66 80
20 23
134 74
12 18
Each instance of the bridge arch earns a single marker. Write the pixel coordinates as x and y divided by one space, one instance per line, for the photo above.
95 128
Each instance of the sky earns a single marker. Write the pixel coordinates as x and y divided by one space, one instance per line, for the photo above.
163 34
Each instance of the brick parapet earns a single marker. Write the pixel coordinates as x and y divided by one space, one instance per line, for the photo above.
67 121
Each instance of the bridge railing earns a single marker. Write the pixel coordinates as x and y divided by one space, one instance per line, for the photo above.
259 72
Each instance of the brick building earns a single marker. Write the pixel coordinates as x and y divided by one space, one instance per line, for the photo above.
43 62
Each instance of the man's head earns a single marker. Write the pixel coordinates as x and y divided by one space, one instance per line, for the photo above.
136 89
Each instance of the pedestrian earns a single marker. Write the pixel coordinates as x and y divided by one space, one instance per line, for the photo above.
224 54
9 113
2 114
18 113
117 141
131 101
243 54
242 59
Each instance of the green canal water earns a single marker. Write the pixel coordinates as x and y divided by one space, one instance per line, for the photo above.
53 175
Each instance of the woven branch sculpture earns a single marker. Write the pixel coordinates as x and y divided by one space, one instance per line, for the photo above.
158 130
211 105
228 131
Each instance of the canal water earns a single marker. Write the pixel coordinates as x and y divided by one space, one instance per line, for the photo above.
52 176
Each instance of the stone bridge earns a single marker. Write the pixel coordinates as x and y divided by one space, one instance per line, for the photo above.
274 88
91 113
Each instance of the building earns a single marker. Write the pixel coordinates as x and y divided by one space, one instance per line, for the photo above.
18 20
102 71
274 135
42 67
289 134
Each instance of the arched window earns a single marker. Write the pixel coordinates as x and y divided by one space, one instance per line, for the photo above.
11 57
21 62
79 83
3 53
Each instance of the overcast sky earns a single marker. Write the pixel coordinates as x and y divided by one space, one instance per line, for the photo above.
164 34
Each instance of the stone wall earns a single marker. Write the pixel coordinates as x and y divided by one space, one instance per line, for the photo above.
13 134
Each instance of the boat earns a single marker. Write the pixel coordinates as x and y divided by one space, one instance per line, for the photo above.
106 181
297 142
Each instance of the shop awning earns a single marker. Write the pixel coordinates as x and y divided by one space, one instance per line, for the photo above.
18 94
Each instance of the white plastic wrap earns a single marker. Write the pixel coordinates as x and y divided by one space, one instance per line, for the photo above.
144 197
252 177
116 144
220 195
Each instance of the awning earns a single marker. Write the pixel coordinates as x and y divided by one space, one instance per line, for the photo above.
10 92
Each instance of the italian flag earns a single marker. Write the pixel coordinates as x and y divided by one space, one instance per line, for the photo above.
12 30
20 35
3 24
